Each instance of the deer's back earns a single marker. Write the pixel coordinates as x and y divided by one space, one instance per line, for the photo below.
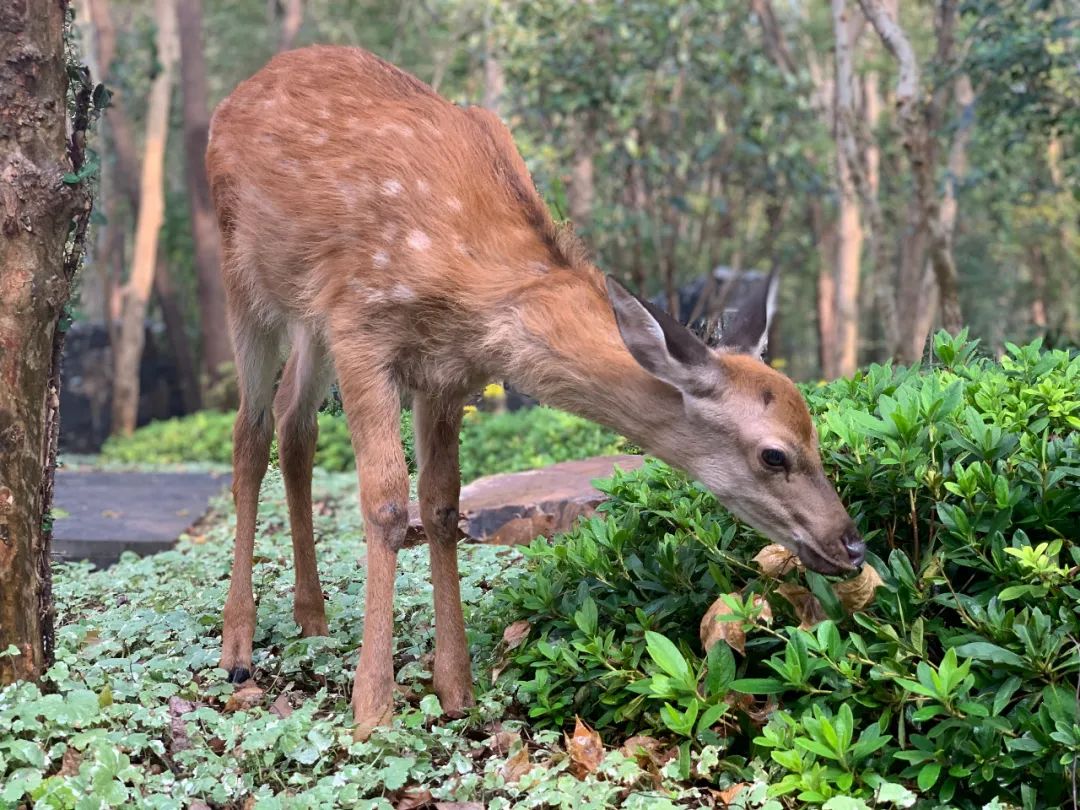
337 176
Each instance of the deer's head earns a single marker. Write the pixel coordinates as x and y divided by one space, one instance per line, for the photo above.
744 431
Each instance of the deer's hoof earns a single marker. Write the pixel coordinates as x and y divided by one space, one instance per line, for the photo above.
239 675
369 720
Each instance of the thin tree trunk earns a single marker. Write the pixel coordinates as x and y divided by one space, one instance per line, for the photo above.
151 214
213 327
849 231
920 148
494 80
581 190
826 289
186 372
36 210
291 22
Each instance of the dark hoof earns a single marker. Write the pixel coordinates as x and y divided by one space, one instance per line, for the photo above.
239 675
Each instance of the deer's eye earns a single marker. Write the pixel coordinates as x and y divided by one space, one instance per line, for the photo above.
774 458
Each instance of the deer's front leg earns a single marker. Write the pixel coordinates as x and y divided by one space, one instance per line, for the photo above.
372 406
437 424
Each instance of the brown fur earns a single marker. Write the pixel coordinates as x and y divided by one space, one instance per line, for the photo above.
378 227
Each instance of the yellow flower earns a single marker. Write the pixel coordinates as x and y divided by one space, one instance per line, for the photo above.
469 409
494 391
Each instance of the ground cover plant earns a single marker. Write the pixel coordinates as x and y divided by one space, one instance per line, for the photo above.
490 442
958 684
134 713
956 687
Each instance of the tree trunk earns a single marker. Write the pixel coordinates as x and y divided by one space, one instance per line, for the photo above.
151 214
291 21
213 327
919 145
187 375
36 210
581 190
849 232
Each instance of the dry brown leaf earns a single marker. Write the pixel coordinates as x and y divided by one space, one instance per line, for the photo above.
517 766
713 629
502 741
249 803
514 635
244 698
413 798
69 765
807 607
641 748
775 561
858 592
727 794
586 750
281 706
178 707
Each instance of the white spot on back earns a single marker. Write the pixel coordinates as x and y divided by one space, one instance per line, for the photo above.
418 240
380 259
453 203
422 186
391 188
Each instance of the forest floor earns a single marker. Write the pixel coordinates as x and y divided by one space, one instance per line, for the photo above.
135 710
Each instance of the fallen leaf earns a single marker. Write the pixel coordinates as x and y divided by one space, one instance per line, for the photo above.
217 745
586 750
413 798
502 741
858 592
249 803
807 607
728 794
198 539
69 765
244 698
281 706
178 707
641 748
775 561
517 766
713 629
515 635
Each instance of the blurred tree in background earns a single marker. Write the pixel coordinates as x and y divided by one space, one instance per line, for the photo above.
904 167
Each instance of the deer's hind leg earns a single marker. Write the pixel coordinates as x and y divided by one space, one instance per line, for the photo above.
257 350
437 422
303 386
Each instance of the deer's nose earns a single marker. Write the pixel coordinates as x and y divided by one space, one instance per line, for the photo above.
855 546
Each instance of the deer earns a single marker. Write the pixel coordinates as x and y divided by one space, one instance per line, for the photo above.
376 232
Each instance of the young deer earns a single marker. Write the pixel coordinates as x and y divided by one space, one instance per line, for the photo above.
397 240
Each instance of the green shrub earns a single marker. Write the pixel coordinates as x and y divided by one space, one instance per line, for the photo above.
490 443
958 683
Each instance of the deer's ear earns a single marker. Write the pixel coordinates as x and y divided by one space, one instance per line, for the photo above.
660 344
747 331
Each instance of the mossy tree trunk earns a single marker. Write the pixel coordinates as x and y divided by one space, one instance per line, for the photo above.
37 265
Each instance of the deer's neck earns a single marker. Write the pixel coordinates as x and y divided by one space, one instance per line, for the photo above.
567 352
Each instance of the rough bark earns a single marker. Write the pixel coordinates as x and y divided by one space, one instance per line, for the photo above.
151 214
36 209
849 233
213 328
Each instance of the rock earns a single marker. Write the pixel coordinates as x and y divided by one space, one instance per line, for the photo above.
515 508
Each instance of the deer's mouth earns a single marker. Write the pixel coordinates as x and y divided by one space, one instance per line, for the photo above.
818 562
